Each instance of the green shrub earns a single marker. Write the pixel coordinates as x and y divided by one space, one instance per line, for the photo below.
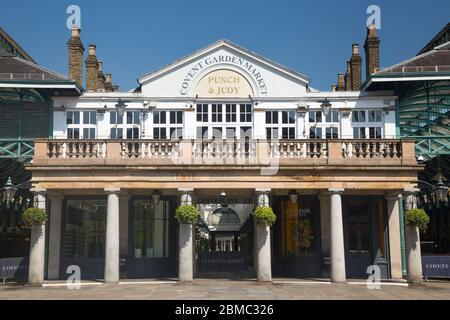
417 218
264 216
187 214
34 217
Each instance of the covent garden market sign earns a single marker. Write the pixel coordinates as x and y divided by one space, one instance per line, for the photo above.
224 83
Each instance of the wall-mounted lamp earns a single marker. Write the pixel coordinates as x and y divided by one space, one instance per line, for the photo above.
120 107
293 196
441 188
9 190
326 106
156 196
420 159
103 110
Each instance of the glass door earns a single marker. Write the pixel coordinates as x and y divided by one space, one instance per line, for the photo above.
150 229
365 232
151 238
357 236
83 236
296 238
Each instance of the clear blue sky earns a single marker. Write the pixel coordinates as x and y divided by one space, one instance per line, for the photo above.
134 37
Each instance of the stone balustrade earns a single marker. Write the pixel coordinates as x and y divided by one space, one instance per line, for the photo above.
248 152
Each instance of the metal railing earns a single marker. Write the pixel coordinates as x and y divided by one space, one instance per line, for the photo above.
29 76
413 69
16 148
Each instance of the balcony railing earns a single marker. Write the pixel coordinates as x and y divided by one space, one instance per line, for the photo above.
223 152
29 76
16 148
413 69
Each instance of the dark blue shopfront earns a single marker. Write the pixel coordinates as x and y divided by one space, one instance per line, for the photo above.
299 243
151 245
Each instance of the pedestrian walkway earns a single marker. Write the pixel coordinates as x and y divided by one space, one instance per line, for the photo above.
284 289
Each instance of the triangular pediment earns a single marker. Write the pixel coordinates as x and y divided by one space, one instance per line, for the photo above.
231 69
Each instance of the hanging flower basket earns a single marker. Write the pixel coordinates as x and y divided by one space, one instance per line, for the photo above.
264 216
34 217
187 214
417 218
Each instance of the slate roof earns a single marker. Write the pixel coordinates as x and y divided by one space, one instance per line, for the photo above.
16 68
436 60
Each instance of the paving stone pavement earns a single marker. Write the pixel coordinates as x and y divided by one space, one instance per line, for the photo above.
229 290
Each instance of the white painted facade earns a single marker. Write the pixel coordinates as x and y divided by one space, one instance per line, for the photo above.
273 88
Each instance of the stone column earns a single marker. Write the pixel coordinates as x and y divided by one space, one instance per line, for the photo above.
54 243
325 223
36 268
337 251
325 230
112 236
395 252
186 243
414 255
124 200
262 242
412 239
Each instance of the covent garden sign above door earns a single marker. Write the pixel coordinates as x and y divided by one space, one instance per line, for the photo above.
224 82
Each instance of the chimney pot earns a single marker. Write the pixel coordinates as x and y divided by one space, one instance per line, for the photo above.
108 83
333 87
355 68
75 50
341 82
92 49
372 51
371 31
100 66
92 69
76 32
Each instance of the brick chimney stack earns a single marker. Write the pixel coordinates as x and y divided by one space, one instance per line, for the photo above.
108 83
355 66
91 69
340 82
100 77
76 50
372 51
348 77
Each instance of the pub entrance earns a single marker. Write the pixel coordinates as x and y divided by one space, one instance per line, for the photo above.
224 239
